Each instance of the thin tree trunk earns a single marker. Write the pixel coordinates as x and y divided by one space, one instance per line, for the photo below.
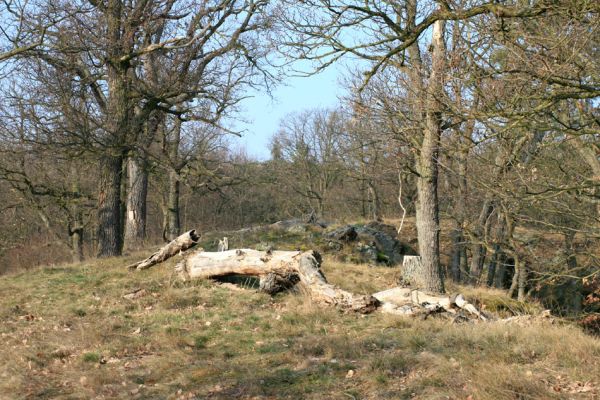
172 210
76 234
76 221
500 275
455 258
477 248
173 227
375 202
522 281
576 284
459 259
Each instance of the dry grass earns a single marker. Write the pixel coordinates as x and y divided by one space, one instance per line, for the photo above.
67 333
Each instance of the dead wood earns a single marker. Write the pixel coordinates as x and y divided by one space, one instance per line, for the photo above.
176 246
281 270
278 266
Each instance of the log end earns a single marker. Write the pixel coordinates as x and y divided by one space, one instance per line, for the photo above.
194 235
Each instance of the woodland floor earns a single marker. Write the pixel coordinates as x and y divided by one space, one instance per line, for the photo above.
67 332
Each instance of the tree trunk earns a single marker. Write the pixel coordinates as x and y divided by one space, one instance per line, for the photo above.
493 263
173 227
109 206
455 258
459 259
137 191
172 209
519 280
110 241
375 202
75 227
76 234
477 248
428 227
575 283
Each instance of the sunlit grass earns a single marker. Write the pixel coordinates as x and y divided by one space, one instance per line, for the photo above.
67 332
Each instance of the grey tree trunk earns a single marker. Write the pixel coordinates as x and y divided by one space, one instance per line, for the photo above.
456 255
137 192
500 275
477 247
76 225
459 261
76 234
575 284
172 218
519 280
375 202
173 224
428 227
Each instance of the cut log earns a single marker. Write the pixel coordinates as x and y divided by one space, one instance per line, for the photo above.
180 244
306 265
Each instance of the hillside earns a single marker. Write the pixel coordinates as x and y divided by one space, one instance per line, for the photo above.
68 332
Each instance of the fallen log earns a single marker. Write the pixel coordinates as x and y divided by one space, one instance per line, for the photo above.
407 301
176 246
282 264
282 270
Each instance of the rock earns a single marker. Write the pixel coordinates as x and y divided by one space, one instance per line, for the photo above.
377 242
297 225
344 234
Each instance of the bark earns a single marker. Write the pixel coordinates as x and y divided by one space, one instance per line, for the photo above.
109 206
137 192
76 222
412 272
289 267
519 280
375 202
137 183
428 227
575 283
306 265
491 276
455 257
173 223
477 248
117 129
500 275
172 217
76 234
180 244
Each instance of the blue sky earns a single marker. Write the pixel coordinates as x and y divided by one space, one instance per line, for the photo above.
263 113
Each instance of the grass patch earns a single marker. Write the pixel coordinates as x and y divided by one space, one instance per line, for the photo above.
67 332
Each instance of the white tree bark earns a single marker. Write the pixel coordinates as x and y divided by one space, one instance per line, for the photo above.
306 265
180 244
